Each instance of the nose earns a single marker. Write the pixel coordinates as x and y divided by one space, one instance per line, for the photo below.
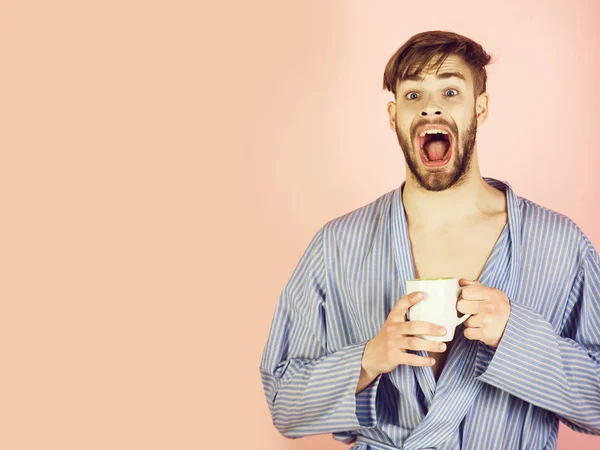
431 110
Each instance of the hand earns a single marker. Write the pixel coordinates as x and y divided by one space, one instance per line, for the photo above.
387 350
490 308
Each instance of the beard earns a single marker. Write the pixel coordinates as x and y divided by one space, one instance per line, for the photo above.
447 177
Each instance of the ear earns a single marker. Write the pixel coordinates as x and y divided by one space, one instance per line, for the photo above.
391 109
481 108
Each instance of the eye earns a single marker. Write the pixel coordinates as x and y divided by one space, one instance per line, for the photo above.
452 95
410 95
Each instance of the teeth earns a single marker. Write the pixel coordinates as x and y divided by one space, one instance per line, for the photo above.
432 131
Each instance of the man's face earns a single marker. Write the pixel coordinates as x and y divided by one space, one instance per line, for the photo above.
445 102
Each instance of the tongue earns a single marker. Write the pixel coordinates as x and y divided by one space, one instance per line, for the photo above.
436 150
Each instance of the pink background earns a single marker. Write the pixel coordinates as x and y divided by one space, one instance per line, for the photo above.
165 165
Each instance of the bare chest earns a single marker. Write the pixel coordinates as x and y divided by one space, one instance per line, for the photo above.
460 251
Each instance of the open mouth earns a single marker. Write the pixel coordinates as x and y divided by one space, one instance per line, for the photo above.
436 147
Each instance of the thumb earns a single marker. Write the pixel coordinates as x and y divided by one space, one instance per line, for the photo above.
466 282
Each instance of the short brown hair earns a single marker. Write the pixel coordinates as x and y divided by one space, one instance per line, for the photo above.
420 49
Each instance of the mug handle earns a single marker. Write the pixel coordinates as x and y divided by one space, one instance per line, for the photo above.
466 316
462 319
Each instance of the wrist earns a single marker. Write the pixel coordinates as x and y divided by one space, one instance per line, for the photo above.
367 365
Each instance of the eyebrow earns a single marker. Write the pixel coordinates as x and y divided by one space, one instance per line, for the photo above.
443 75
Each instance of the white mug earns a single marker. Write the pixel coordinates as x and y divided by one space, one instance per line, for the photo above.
438 306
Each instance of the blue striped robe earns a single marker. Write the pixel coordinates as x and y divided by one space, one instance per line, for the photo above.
546 368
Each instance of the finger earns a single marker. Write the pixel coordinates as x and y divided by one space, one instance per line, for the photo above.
473 334
473 306
475 292
467 282
408 300
417 343
419 328
475 321
415 360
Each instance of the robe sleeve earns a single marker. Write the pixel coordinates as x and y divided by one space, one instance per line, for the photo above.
310 390
557 372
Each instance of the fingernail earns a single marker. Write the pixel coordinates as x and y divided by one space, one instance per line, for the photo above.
431 361
417 295
442 331
442 347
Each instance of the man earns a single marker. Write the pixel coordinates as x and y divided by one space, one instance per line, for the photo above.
341 356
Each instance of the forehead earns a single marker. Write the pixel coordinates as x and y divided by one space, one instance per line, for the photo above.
453 64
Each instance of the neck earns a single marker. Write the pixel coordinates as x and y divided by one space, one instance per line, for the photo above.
430 210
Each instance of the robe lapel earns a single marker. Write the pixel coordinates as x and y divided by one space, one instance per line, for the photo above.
405 271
